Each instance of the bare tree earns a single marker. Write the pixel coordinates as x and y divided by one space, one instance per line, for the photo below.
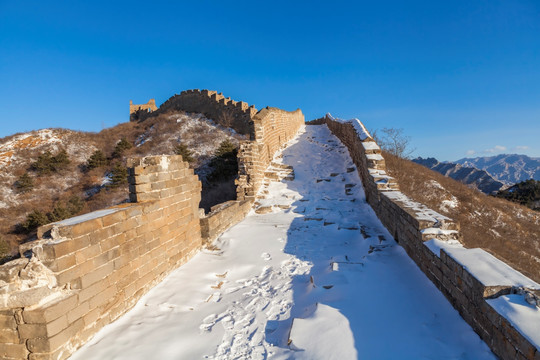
226 118
395 142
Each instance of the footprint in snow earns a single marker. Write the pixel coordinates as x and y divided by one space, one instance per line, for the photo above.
208 322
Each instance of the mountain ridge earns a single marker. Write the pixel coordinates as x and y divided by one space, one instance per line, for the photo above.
479 179
507 168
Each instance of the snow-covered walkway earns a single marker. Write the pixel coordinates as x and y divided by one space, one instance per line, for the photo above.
321 258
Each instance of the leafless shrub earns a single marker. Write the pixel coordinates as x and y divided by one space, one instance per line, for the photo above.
226 118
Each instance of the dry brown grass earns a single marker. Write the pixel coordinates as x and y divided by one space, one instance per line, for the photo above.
49 189
509 231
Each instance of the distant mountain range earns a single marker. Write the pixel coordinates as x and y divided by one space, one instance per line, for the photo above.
487 174
479 179
508 168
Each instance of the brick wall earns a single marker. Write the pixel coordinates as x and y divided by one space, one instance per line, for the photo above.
272 129
221 217
87 271
412 224
225 111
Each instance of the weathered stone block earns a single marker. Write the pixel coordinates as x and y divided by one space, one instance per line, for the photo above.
15 351
46 345
96 275
51 311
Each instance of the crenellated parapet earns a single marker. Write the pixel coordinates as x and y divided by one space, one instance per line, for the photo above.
237 115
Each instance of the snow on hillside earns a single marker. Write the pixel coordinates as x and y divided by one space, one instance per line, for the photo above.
31 140
19 151
290 285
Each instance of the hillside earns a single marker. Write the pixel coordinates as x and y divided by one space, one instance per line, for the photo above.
478 179
508 168
507 230
30 183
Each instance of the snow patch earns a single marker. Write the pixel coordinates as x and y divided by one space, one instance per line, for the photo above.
164 163
435 245
86 217
325 329
489 270
523 316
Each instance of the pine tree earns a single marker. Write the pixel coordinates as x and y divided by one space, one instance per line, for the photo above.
46 163
24 183
120 147
224 163
119 175
187 155
97 159
34 220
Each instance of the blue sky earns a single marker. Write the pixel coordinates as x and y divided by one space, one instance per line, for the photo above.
462 78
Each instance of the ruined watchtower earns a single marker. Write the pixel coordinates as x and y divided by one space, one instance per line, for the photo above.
148 107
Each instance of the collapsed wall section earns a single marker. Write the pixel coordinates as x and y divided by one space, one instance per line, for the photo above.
478 285
87 271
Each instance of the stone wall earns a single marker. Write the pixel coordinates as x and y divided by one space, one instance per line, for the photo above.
85 272
432 241
272 129
221 217
225 111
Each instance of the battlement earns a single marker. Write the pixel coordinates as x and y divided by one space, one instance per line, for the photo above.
237 115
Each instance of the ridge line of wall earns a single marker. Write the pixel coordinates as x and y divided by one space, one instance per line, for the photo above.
237 115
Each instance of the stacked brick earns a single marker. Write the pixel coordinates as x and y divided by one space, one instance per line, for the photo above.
272 129
91 269
408 222
222 217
